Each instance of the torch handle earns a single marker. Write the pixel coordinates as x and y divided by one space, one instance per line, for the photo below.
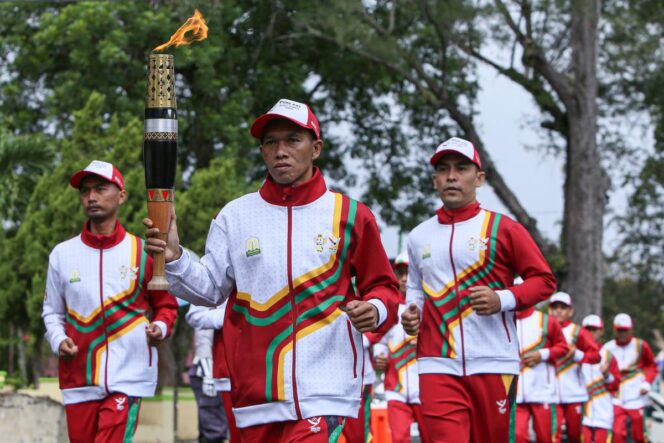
160 214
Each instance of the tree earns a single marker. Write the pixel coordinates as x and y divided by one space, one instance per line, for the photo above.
427 54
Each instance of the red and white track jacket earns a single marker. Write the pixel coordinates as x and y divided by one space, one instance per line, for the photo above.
460 249
402 382
201 317
638 368
96 294
284 257
568 369
598 409
539 332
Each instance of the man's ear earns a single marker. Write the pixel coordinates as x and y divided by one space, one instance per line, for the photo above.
481 177
123 196
318 148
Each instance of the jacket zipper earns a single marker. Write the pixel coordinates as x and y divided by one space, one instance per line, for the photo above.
458 297
103 311
293 309
352 345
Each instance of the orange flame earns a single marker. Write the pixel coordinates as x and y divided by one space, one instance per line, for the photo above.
196 24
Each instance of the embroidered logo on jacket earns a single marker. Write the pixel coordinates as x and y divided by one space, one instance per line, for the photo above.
74 276
253 246
426 253
480 243
133 271
334 243
319 241
119 403
502 406
314 421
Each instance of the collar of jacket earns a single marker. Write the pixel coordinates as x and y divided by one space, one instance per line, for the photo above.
565 323
448 216
102 241
289 195
525 313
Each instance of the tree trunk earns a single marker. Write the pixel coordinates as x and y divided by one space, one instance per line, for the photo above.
586 182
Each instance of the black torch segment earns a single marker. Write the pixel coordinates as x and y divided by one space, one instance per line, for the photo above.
160 148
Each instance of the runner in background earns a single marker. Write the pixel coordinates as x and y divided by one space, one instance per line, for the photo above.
582 349
638 369
603 381
541 344
395 355
215 412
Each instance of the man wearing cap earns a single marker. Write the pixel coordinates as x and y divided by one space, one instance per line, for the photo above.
284 258
638 369
396 356
602 382
582 349
462 301
100 318
541 344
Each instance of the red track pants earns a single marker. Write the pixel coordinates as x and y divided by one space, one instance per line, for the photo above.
620 416
309 430
462 409
233 432
109 420
573 415
359 429
596 435
400 416
546 421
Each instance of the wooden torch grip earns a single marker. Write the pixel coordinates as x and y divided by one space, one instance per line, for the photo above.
160 214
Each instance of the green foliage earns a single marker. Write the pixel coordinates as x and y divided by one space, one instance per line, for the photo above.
210 190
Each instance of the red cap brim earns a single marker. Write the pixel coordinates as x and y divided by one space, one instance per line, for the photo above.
77 178
259 124
438 155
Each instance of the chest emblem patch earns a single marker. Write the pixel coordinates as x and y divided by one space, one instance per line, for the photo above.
132 272
319 242
74 276
426 253
253 247
478 243
334 243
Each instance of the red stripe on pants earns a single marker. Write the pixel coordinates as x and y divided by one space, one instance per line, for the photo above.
573 414
99 421
595 435
620 416
400 416
462 409
543 418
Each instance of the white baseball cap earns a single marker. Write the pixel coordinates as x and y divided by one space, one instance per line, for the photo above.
459 146
402 259
561 297
593 321
101 169
298 113
622 321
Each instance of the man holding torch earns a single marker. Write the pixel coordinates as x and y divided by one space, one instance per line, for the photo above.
284 258
100 317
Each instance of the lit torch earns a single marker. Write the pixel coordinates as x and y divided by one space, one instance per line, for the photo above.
161 136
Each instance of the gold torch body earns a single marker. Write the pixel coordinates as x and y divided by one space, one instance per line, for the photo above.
160 153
